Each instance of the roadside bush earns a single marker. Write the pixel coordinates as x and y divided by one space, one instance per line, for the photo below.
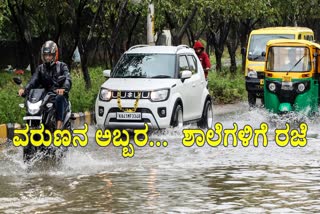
9 107
81 98
226 87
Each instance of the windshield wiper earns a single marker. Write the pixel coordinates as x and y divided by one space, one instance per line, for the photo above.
296 64
161 76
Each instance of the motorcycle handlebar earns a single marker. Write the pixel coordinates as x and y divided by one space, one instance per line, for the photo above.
50 93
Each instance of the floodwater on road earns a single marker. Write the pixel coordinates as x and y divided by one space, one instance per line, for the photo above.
172 179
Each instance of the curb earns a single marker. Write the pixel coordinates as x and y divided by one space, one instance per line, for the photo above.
7 130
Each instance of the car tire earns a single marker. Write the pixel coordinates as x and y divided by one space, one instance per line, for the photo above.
251 99
177 119
206 121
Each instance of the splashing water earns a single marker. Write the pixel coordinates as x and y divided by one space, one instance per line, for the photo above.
173 178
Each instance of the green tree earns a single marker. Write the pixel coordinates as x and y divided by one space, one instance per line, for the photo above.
176 15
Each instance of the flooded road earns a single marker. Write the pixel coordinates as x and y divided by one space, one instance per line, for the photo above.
172 179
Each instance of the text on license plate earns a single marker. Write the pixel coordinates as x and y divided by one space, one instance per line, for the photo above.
128 116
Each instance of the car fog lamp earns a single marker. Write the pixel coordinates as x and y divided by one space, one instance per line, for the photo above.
301 87
162 112
101 111
272 87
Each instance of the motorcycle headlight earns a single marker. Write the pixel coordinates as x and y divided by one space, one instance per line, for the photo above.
105 94
34 108
159 95
252 74
272 86
301 87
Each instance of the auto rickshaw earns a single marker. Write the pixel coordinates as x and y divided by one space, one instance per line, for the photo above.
292 76
255 61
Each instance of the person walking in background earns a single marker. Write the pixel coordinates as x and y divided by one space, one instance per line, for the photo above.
203 57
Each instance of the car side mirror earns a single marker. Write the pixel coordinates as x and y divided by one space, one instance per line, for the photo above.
107 73
17 80
263 53
185 74
243 51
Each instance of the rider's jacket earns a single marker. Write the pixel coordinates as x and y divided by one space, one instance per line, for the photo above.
47 76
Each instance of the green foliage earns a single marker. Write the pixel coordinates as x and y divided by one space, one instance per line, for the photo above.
81 98
227 88
9 108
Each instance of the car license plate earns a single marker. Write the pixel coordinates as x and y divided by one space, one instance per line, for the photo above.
128 116
261 81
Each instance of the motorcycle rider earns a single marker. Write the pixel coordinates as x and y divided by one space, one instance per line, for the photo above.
47 74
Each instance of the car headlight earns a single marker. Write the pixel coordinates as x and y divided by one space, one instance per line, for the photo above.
272 86
252 74
301 87
105 94
159 95
34 108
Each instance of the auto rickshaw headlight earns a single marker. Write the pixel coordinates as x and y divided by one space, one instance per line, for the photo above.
252 74
272 87
301 87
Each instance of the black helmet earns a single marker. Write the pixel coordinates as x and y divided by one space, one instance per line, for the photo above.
49 47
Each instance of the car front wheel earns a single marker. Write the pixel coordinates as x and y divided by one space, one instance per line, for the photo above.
206 121
177 120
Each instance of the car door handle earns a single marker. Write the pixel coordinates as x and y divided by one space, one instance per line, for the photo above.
193 85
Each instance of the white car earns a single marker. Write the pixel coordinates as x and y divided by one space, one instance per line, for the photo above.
163 86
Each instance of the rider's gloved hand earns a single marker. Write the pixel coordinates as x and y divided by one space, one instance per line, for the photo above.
60 91
21 92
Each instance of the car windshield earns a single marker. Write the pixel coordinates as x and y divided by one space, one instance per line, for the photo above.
145 66
289 59
258 44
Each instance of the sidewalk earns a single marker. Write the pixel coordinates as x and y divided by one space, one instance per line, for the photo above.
229 108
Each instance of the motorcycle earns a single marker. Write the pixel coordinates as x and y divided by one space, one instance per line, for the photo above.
40 109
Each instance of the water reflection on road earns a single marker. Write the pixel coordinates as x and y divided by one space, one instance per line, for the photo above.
173 179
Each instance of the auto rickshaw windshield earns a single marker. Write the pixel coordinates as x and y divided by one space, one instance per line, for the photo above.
258 44
288 59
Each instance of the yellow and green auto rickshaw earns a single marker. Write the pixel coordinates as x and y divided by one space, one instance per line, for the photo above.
292 76
255 61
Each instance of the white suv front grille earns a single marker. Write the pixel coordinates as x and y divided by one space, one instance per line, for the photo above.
131 94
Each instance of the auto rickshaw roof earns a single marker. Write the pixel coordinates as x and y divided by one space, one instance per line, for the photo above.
292 42
281 30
